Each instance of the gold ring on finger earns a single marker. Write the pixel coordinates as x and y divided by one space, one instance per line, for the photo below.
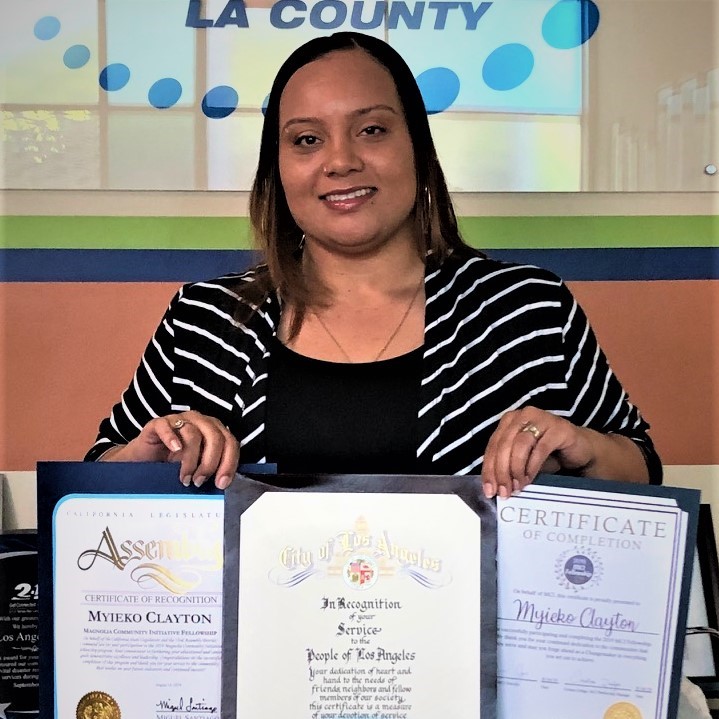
532 429
178 423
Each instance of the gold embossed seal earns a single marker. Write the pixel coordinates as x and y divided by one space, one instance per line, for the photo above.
623 710
97 705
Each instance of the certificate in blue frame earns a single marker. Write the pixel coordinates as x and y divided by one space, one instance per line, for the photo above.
577 503
58 482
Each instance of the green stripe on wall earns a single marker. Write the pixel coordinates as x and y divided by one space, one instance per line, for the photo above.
587 231
212 233
125 233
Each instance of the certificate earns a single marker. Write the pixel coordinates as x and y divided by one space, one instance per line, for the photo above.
359 597
134 610
592 597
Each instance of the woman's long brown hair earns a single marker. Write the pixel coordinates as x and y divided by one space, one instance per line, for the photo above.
275 230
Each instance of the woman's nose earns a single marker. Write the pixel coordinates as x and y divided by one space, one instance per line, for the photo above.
342 158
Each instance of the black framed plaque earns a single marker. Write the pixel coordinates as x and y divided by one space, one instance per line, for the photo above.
19 673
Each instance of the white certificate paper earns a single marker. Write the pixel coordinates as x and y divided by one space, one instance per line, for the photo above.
588 597
359 606
138 606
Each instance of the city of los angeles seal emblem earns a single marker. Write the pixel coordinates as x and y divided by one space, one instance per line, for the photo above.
623 710
360 571
97 705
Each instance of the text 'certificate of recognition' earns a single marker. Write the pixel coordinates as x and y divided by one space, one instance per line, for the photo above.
138 606
588 595
353 605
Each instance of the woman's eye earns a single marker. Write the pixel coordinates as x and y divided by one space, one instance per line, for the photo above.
306 140
374 130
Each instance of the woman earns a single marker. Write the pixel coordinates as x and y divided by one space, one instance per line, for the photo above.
374 339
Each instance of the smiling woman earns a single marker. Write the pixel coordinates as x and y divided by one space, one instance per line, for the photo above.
372 339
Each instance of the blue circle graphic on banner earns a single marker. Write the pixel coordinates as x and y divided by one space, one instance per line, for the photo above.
46 28
570 23
114 77
220 102
76 56
164 93
508 66
439 87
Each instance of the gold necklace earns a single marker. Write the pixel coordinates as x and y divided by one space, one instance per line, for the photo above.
391 337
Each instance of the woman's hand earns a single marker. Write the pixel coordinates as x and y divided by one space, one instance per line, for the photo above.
529 441
202 445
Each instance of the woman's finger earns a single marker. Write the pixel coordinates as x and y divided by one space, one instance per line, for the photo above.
524 449
513 451
192 441
228 463
208 448
496 474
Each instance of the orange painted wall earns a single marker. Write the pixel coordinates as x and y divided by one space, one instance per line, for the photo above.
660 338
71 348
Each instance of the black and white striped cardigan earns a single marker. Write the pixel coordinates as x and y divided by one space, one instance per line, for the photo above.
498 336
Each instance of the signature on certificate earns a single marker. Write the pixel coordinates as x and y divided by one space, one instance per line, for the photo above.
180 705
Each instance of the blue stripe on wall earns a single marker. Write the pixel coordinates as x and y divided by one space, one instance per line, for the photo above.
41 265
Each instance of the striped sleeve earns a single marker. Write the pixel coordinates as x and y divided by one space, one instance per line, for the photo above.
149 394
595 397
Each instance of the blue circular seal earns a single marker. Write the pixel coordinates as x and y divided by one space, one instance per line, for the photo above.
578 569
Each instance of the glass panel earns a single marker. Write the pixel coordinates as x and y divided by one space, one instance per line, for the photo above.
501 153
49 53
42 149
505 65
524 95
149 37
232 151
248 59
653 102
151 151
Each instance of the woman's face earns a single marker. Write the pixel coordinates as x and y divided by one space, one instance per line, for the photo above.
345 154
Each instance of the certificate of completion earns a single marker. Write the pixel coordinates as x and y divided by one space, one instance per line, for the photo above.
590 588
137 606
360 604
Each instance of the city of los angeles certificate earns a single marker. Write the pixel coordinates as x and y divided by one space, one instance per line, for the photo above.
132 588
592 597
359 597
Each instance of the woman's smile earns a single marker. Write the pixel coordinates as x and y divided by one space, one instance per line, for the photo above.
348 199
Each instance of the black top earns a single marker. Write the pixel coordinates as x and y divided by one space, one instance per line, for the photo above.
331 417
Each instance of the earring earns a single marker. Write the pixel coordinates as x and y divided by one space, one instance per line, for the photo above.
428 199
297 252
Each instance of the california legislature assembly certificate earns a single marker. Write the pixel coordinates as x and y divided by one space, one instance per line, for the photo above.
136 603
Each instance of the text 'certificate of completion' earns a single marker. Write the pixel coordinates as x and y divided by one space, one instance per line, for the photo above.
138 606
361 605
589 597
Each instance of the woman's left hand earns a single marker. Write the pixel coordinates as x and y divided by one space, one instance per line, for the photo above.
529 441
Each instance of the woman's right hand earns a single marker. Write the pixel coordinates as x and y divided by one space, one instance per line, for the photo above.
202 445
